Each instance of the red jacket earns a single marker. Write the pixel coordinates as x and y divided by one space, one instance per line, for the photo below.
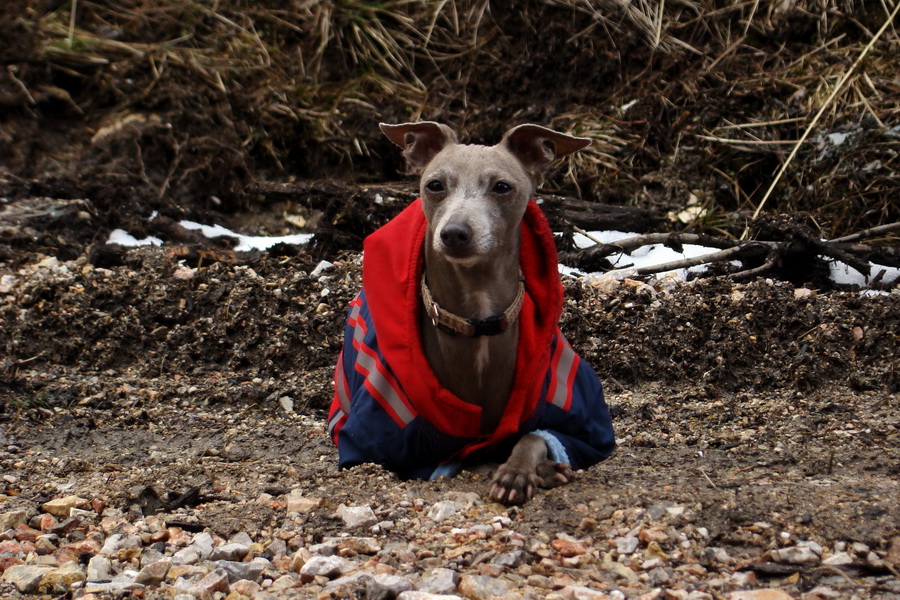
389 406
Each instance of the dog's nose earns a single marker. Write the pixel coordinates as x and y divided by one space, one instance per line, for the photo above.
456 235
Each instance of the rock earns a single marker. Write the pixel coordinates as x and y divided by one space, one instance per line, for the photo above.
439 581
241 538
61 507
63 577
154 573
763 594
113 588
568 548
245 587
360 545
326 566
357 516
120 541
443 510
12 519
627 544
577 592
26 578
298 503
427 596
838 559
482 587
348 586
250 571
230 551
513 559
386 587
282 583
796 555
99 569
215 581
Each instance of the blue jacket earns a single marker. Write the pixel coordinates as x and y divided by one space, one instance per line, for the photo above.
388 406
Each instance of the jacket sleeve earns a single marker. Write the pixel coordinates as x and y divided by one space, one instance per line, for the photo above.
584 432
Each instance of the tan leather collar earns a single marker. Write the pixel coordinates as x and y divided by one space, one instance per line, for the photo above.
451 323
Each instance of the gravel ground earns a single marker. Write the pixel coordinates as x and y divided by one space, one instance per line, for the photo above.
164 438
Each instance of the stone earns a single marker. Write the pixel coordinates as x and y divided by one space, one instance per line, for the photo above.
230 551
113 588
26 578
578 592
298 503
63 577
99 569
241 538
215 581
482 587
439 581
245 587
357 516
250 571
120 541
513 559
568 548
326 566
360 545
763 594
282 583
348 586
796 555
154 573
443 510
838 559
61 507
627 544
417 595
386 587
12 519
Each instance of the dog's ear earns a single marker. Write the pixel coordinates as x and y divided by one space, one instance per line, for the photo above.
420 141
538 146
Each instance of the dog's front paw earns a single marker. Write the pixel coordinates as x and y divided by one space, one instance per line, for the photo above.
515 484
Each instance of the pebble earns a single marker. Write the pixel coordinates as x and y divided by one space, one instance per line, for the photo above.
439 581
298 503
386 587
216 581
99 569
482 587
627 544
26 578
231 551
357 516
120 541
243 570
443 510
61 507
63 577
796 555
427 596
12 519
327 566
763 594
154 573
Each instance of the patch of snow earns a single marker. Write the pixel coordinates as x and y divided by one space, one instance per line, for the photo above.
123 238
247 242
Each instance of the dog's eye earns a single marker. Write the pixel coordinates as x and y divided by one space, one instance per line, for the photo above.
434 186
501 187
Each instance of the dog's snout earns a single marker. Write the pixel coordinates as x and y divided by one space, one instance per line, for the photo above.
456 236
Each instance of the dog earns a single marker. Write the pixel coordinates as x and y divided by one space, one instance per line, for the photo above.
452 353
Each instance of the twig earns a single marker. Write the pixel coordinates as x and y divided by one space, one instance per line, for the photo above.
822 109
870 232
686 263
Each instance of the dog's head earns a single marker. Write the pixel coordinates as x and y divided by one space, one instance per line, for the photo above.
474 196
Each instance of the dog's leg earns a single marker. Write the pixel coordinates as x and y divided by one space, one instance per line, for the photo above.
528 467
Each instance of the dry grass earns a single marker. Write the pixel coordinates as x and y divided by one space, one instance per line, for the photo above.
722 91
